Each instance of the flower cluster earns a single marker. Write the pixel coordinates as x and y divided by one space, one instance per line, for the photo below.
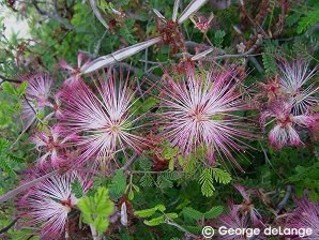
97 126
289 104
88 123
83 126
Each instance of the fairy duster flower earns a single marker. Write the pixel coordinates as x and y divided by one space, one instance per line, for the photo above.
198 110
247 208
285 131
103 120
306 215
36 96
74 72
233 219
294 81
46 205
53 144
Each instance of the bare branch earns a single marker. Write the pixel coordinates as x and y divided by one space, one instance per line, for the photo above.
25 186
54 16
98 14
284 201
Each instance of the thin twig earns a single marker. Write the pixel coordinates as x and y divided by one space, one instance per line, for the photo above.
16 191
98 45
54 16
169 222
98 14
129 162
284 201
5 79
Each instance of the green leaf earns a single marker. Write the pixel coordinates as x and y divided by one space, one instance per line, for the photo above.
136 188
130 194
77 189
118 184
221 176
96 209
8 88
219 38
307 21
171 215
146 180
100 224
268 57
214 212
7 160
164 182
191 213
207 183
169 152
149 212
145 164
148 103
22 88
161 219
155 221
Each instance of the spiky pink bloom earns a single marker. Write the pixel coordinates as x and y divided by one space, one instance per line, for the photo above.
53 144
295 82
233 219
306 215
197 110
36 96
247 208
285 130
202 23
75 72
46 206
103 121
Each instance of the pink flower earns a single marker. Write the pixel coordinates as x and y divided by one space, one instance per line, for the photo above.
233 219
46 206
294 77
271 90
75 71
36 96
285 132
246 208
306 215
202 23
102 121
57 104
53 144
197 110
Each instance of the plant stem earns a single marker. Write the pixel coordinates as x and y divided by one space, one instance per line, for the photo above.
95 235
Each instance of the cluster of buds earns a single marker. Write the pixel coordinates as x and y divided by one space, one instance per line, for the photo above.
288 104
